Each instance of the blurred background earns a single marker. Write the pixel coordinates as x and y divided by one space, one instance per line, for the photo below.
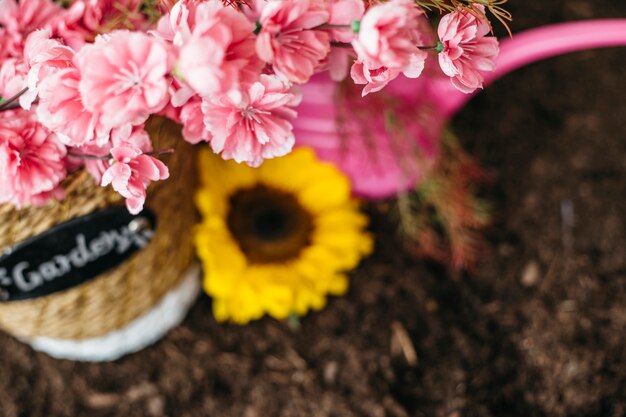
537 330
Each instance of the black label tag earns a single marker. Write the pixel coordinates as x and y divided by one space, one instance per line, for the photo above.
73 252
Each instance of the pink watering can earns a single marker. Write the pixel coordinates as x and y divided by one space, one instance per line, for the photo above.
354 132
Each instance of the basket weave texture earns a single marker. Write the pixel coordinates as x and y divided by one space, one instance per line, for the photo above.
124 293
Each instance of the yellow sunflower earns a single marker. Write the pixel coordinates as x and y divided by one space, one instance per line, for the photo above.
276 239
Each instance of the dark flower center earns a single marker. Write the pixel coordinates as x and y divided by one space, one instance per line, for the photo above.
269 225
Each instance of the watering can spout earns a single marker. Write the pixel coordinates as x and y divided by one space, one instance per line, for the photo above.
533 45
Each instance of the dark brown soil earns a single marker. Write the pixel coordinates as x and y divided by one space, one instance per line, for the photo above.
539 330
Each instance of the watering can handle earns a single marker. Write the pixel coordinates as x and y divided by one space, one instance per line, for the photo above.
534 45
545 42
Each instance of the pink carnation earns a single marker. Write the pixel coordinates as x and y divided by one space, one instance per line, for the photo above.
131 173
40 49
467 51
287 39
13 74
387 45
31 160
134 136
57 193
19 18
177 25
42 57
5 40
338 63
124 77
192 118
61 109
389 35
342 12
219 53
252 125
375 79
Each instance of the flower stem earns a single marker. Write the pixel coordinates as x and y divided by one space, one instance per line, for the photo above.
11 103
160 152
341 45
438 47
328 26
109 156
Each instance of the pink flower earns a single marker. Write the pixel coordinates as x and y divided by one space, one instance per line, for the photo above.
219 53
131 173
31 160
134 136
338 63
180 92
123 77
192 118
287 39
5 40
13 74
342 12
387 45
389 35
176 26
467 51
24 16
42 56
40 49
57 193
61 109
252 125
377 78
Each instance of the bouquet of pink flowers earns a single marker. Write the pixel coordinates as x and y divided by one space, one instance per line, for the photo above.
79 80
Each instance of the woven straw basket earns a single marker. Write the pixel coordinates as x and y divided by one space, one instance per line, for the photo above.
135 303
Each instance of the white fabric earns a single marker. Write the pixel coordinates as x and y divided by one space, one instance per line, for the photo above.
138 334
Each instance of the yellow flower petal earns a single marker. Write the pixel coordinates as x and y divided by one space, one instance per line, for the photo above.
245 289
338 285
224 176
211 203
221 311
278 300
281 173
345 218
327 193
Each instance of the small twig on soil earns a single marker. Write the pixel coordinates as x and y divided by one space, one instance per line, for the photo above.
567 226
400 339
